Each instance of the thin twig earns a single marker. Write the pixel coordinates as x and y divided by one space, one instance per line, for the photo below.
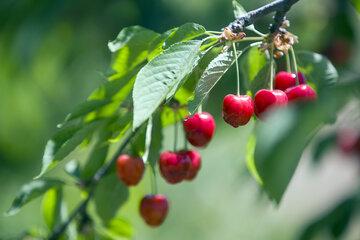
98 175
281 7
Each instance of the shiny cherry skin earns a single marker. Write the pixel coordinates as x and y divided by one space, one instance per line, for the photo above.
153 209
130 169
266 99
302 92
195 159
199 129
237 110
174 167
284 80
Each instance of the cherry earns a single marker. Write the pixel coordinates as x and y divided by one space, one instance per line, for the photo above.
348 140
237 110
174 167
284 80
129 169
265 99
153 209
302 92
199 129
195 159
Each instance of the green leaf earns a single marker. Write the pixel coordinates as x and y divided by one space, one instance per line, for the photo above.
153 140
317 68
63 143
282 139
185 32
215 70
261 81
87 107
250 160
31 191
156 79
157 44
110 195
251 64
322 145
130 49
240 11
115 229
51 207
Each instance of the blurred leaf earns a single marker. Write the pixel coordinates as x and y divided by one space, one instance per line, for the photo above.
51 207
185 32
121 125
335 221
250 65
240 11
322 145
282 139
250 161
130 49
132 36
57 149
317 68
214 71
31 191
156 79
115 229
73 168
110 195
86 107
261 80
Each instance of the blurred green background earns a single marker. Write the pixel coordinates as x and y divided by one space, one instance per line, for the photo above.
52 54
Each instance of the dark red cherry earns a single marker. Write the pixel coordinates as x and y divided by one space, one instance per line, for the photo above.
195 159
174 167
130 169
284 80
153 209
237 110
266 99
199 129
302 92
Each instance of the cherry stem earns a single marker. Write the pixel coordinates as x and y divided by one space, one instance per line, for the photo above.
237 70
153 180
175 131
294 64
272 67
288 67
200 109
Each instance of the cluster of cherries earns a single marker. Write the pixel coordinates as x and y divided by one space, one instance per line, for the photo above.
174 166
237 110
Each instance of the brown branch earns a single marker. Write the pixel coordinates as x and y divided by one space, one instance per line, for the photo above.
281 7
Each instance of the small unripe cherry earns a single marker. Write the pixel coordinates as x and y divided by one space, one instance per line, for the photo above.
130 169
199 129
195 159
153 209
237 110
174 167
265 100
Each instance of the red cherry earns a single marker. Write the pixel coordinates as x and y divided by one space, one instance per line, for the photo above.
199 129
284 80
265 99
129 169
302 92
348 140
237 110
153 209
174 167
195 159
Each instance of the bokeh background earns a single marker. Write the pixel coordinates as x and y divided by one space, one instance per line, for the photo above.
52 54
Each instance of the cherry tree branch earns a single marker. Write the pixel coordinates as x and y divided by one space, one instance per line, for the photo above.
93 181
281 7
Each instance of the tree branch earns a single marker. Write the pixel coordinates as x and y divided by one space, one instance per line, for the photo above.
96 178
281 7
